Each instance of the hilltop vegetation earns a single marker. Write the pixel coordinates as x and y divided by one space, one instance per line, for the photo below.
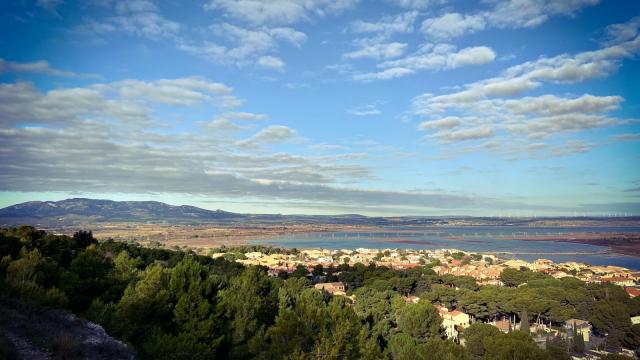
177 305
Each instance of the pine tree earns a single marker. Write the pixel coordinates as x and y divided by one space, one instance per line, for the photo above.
578 341
524 321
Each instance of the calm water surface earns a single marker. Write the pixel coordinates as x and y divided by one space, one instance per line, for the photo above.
469 238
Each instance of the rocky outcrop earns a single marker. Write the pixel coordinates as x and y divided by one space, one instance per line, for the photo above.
40 333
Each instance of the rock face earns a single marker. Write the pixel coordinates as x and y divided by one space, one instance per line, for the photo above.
38 333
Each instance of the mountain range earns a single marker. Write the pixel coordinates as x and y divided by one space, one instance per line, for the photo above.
82 210
87 211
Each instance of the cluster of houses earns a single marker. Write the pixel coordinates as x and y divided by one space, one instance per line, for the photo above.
486 269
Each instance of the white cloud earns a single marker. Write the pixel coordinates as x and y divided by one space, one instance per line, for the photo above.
377 51
572 147
39 67
387 74
366 110
474 133
223 124
448 122
529 13
387 25
415 4
270 62
182 91
619 33
260 12
505 14
270 135
140 17
125 100
245 116
527 76
442 56
241 46
451 25
476 55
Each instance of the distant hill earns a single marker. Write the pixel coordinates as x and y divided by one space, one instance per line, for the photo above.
88 211
80 210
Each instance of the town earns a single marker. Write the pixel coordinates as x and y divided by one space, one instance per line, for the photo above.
484 268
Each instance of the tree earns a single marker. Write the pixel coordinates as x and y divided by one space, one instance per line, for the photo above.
515 345
421 321
402 346
318 270
376 310
557 349
250 305
524 321
84 238
475 335
300 271
578 341
22 273
439 349
611 318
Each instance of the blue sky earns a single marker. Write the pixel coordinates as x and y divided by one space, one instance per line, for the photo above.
395 107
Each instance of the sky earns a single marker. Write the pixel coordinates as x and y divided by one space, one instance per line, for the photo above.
387 107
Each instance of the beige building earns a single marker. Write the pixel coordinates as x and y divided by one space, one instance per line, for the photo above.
580 326
334 288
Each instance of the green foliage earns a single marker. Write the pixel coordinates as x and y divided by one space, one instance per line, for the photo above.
515 345
577 342
475 336
512 277
420 321
524 321
557 349
179 305
611 318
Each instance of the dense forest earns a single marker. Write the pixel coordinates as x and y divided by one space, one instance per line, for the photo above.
180 305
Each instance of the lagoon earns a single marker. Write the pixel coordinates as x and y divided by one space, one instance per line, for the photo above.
500 240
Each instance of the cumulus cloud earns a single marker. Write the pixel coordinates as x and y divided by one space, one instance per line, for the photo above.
561 69
448 122
386 74
259 12
38 67
270 135
387 25
367 110
242 46
377 51
105 166
140 17
243 115
533 117
443 56
451 25
474 133
270 62
505 14
416 4
529 13
126 100
80 139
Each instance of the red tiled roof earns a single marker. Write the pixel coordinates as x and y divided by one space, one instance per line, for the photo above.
633 292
